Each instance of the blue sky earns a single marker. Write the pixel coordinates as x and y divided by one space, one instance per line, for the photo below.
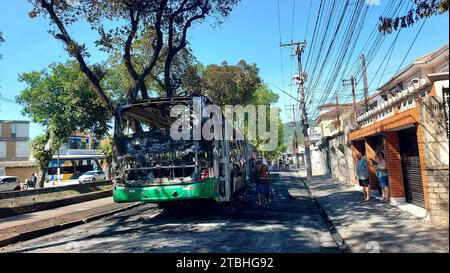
250 33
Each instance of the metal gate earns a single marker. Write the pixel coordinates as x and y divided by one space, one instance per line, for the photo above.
412 179
412 174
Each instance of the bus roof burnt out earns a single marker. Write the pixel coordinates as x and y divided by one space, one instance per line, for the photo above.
145 154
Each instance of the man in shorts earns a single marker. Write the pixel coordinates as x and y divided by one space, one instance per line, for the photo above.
262 180
362 175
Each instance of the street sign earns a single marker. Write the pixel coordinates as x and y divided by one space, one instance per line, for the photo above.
315 133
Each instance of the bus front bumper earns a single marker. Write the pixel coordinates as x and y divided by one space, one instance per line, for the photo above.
167 193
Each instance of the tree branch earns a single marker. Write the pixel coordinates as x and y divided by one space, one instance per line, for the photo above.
157 48
173 51
75 50
127 55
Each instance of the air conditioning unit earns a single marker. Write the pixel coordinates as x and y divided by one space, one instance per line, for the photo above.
414 83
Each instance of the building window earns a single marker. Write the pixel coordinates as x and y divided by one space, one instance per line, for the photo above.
74 143
443 67
13 130
83 144
95 144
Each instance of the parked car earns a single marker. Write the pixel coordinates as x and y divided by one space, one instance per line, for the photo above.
92 176
9 183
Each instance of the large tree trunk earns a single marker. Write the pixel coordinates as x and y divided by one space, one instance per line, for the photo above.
109 168
41 179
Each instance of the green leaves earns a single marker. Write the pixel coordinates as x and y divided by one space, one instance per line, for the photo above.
61 99
424 9
231 84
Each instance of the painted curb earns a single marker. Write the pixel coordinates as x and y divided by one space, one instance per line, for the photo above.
40 206
52 229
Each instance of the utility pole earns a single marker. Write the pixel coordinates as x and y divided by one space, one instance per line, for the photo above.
299 49
337 113
366 85
294 134
352 82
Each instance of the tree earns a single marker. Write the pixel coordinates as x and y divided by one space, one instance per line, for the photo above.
106 149
424 9
62 100
231 84
118 81
170 20
238 85
264 96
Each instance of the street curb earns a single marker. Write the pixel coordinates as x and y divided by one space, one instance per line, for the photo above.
340 242
52 229
40 206
33 192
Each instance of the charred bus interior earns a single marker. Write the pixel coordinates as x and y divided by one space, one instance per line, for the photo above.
150 166
145 153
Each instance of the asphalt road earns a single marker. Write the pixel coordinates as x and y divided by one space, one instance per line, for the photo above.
290 225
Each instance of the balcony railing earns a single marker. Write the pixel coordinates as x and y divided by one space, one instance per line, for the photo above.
402 101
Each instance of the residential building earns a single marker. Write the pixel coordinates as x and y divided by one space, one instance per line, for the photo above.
407 122
330 116
335 119
14 140
79 154
15 149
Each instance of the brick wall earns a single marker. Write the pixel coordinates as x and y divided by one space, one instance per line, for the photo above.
371 154
438 195
433 136
394 164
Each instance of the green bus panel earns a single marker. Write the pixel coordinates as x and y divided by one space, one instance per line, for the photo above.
167 193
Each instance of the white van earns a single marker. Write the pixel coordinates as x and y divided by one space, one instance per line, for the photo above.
9 183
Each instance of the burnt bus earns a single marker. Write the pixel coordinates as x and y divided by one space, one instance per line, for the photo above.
151 166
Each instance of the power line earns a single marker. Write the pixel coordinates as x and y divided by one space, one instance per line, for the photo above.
413 42
281 50
293 21
309 17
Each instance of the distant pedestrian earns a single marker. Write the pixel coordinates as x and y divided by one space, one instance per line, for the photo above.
382 176
362 175
262 182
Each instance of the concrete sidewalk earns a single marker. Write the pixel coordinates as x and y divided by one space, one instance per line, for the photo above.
373 226
31 225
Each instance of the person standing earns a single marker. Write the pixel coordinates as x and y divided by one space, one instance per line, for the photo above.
362 175
382 176
262 175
